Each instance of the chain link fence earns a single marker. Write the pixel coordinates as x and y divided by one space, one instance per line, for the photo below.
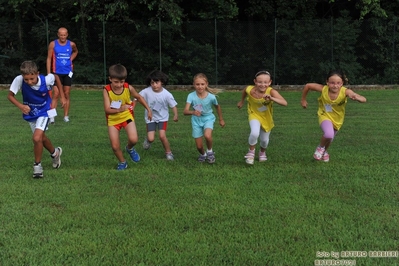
229 53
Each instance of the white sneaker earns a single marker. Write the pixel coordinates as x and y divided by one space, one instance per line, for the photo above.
319 152
250 160
169 157
146 144
262 156
52 120
250 157
66 118
326 157
57 158
37 171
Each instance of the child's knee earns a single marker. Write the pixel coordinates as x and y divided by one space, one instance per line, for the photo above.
329 135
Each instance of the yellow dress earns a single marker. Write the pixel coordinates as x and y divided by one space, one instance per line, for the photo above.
260 109
333 110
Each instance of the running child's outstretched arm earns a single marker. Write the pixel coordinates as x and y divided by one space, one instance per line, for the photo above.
354 96
25 109
141 100
187 110
312 87
243 96
175 114
219 111
276 97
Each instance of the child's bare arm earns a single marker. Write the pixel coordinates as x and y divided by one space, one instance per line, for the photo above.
220 115
354 96
276 97
175 114
243 95
141 100
25 109
306 89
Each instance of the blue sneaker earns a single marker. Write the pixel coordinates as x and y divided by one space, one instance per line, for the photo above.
202 158
133 154
210 157
122 166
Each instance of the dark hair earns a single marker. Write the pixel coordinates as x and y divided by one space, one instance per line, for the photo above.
263 72
156 75
117 71
340 74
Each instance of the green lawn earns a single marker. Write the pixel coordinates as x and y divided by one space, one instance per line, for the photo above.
286 211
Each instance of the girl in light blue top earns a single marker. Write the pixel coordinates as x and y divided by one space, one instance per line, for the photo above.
199 105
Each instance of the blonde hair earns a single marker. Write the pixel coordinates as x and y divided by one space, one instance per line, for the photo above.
211 90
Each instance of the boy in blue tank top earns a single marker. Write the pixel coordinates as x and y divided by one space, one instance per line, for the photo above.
35 108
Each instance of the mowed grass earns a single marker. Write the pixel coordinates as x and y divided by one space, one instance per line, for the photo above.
182 212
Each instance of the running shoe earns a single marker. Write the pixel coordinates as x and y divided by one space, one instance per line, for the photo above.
133 154
169 156
326 157
250 157
57 158
122 166
146 144
37 171
318 154
202 158
210 157
262 156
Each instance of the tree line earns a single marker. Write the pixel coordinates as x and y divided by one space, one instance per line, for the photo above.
229 40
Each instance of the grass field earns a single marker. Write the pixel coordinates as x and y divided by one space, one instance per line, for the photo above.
290 210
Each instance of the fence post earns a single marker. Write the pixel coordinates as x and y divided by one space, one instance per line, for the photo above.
216 53
160 44
275 51
393 49
332 41
47 33
104 55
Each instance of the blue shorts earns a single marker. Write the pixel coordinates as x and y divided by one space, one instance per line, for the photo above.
200 123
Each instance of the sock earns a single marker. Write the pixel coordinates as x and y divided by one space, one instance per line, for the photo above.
207 151
54 153
37 163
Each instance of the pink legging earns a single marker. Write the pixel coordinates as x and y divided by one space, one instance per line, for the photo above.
328 129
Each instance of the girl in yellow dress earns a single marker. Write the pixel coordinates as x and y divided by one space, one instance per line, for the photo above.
331 112
260 99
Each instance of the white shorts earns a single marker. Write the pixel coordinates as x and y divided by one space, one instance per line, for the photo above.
40 123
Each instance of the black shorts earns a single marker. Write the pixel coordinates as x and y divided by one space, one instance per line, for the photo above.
65 79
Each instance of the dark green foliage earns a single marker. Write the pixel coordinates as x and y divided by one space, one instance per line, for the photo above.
297 41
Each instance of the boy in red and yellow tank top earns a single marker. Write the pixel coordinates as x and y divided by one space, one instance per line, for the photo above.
118 107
